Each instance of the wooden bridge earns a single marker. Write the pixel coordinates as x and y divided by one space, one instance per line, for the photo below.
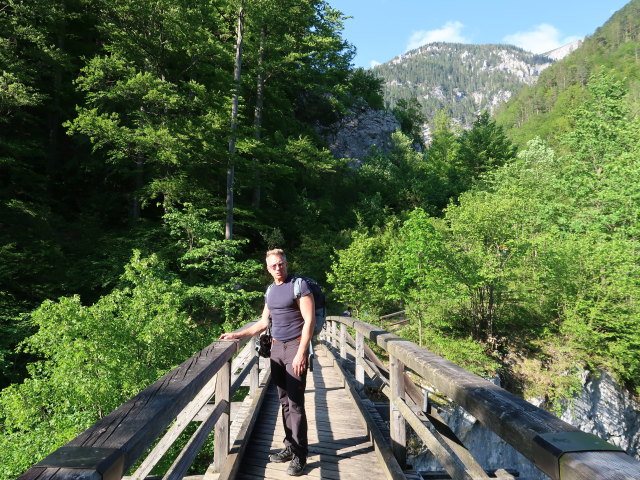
348 436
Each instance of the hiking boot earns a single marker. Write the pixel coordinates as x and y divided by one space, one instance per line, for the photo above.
296 466
282 456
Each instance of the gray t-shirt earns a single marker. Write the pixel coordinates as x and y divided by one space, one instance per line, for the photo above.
286 319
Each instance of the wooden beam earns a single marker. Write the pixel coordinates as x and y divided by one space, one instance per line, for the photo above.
397 425
182 421
383 451
446 457
360 360
512 418
238 449
222 430
136 424
184 460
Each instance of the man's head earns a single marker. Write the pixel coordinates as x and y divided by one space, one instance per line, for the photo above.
277 264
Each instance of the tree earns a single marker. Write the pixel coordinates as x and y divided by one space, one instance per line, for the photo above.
409 114
151 102
37 58
153 320
358 274
237 71
482 148
441 159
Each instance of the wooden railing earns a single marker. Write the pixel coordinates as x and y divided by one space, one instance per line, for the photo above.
158 415
558 449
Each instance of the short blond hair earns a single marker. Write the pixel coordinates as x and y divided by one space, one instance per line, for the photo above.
276 251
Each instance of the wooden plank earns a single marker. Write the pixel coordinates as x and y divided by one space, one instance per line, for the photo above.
188 454
240 442
598 466
397 426
222 427
339 448
254 378
182 422
343 341
446 458
393 470
360 360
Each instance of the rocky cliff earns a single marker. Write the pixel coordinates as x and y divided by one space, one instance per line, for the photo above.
603 408
358 132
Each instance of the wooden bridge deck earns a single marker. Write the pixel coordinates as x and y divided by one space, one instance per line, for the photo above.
339 445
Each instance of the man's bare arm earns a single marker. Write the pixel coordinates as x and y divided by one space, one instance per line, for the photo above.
308 311
254 329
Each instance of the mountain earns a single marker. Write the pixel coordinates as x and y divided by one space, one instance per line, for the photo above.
542 109
461 79
561 52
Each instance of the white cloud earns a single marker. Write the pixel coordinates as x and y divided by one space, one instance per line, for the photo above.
449 32
374 63
541 39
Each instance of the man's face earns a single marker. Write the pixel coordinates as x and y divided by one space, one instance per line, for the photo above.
277 267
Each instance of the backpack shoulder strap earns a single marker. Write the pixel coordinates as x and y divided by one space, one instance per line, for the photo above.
297 287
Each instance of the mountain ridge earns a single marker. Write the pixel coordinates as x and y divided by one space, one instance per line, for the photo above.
462 79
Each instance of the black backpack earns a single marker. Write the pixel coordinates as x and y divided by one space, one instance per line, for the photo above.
318 299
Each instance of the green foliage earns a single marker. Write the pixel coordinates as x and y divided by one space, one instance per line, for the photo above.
411 118
216 282
537 258
94 358
542 110
481 149
358 274
363 84
465 352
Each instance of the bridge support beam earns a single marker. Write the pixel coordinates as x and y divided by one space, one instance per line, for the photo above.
398 427
222 429
360 360
254 375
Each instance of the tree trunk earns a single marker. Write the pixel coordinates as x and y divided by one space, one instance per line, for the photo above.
138 182
234 124
257 117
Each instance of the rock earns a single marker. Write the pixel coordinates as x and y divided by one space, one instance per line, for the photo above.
358 132
607 410
603 408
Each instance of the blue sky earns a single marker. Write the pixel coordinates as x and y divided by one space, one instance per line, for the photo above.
383 29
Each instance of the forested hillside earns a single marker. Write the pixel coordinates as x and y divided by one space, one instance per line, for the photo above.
532 270
116 124
545 108
134 212
461 80
136 206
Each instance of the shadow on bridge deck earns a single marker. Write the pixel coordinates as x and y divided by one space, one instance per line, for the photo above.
339 445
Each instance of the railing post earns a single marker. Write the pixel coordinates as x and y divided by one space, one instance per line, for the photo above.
343 341
360 360
398 428
222 429
254 375
334 334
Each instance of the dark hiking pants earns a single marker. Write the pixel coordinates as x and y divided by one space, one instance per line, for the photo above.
291 395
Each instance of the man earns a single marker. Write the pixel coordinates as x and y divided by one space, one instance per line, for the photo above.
293 321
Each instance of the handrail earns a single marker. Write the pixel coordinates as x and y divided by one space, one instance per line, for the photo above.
557 448
109 448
